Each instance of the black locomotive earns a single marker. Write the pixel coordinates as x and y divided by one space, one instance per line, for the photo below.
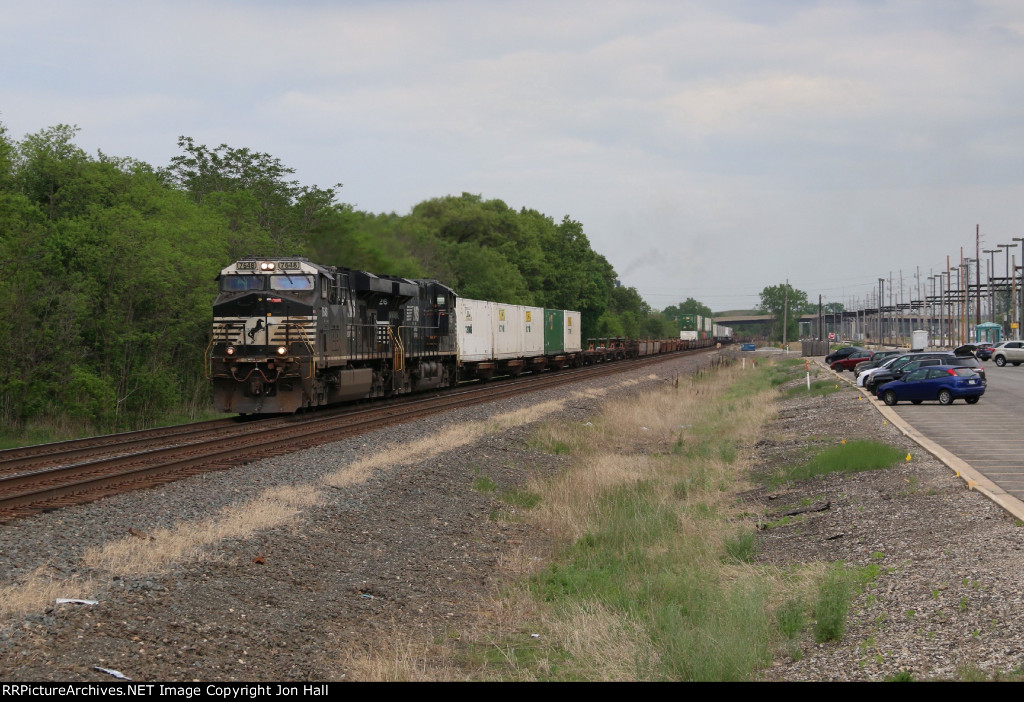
290 334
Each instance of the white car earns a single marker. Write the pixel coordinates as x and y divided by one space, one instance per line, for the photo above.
871 371
1008 352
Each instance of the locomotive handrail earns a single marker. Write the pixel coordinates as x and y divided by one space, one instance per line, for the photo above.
208 359
398 350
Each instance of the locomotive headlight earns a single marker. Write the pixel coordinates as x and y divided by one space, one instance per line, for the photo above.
230 351
266 266
282 350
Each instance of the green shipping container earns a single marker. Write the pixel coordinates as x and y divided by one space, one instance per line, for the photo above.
690 322
554 331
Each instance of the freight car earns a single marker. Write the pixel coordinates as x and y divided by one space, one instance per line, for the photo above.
495 338
289 334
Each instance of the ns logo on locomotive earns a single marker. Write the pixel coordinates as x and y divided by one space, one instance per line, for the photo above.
289 334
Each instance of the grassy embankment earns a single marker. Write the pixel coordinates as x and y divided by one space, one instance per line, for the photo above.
655 577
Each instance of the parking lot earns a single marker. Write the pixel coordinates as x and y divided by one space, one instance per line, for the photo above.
986 435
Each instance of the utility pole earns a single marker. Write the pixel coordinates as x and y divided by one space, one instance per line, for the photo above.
785 312
977 272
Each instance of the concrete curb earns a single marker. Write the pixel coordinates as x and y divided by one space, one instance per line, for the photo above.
973 479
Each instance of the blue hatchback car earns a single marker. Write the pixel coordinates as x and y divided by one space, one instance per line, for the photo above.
942 383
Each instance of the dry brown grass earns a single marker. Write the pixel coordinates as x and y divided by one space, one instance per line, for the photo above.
397 657
606 645
188 542
39 591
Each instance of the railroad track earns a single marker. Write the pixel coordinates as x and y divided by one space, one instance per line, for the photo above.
51 476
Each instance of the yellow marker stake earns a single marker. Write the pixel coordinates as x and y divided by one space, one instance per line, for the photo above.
908 456
843 442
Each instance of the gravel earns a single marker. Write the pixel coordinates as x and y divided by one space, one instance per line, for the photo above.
414 552
414 549
947 601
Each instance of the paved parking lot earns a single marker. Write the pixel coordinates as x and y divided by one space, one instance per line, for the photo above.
987 435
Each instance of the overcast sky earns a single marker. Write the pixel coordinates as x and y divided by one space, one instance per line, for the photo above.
710 148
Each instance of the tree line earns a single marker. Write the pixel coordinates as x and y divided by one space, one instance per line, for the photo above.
107 268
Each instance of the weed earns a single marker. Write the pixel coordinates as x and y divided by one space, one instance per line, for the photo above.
523 499
741 547
900 676
852 457
483 483
832 605
790 618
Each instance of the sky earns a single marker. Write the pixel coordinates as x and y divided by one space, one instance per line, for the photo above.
709 148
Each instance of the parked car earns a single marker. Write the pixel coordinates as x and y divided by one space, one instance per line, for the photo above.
984 351
942 383
850 362
895 368
1008 352
886 375
865 376
877 359
843 353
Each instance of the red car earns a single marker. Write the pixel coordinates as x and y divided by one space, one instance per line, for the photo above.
851 361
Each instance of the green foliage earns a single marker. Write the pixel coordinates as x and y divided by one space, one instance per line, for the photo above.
108 267
741 547
790 618
852 457
832 605
672 313
785 304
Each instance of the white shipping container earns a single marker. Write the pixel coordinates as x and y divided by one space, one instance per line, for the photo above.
688 335
533 331
507 330
475 338
573 335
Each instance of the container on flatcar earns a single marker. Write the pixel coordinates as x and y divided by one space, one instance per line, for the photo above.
554 332
533 331
507 331
475 335
573 337
691 322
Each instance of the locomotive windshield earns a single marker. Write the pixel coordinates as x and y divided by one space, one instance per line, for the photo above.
291 282
238 283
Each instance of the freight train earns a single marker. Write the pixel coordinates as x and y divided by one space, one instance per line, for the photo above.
289 334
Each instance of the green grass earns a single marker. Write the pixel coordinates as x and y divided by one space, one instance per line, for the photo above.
790 619
835 592
832 605
639 564
523 499
741 547
852 457
482 483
